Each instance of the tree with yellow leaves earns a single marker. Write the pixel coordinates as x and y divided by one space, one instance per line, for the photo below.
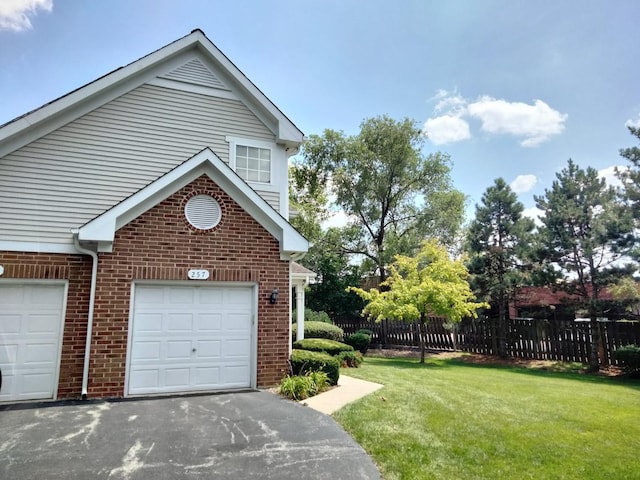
430 283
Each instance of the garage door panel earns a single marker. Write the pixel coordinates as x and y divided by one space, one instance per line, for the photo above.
207 376
209 322
10 323
149 296
30 332
12 295
8 357
180 322
149 323
235 348
181 295
240 297
43 324
237 322
145 379
177 377
42 353
146 350
235 374
202 336
210 297
178 350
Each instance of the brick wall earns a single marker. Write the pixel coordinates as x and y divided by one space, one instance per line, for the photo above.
77 270
161 245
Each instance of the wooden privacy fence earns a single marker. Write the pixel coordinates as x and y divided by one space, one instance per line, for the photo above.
538 339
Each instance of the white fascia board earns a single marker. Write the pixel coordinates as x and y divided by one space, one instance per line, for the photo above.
288 133
102 229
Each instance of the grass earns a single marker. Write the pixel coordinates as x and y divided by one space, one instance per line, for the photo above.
450 420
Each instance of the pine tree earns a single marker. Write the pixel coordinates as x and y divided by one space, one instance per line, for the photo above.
496 242
585 235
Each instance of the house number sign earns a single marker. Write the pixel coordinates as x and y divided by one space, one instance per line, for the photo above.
198 274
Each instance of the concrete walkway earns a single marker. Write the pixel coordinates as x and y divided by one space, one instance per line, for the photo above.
349 390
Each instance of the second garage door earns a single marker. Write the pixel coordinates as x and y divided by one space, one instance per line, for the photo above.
190 338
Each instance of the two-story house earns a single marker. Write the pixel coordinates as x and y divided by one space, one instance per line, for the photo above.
145 246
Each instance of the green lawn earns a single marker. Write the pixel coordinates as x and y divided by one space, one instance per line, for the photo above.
450 420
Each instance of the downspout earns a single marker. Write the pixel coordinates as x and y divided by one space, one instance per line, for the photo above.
92 301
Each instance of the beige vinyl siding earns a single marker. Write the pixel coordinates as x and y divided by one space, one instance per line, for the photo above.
72 175
195 72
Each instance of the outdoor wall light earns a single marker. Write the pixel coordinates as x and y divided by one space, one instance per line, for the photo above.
273 298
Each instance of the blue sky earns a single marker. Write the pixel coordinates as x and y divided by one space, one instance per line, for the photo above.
507 88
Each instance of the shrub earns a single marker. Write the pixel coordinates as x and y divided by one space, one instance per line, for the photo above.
320 330
295 387
300 387
312 316
366 331
629 357
303 361
360 341
350 359
319 382
322 345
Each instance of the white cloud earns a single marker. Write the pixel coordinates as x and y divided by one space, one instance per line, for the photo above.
609 174
446 129
523 183
533 123
633 123
14 14
534 213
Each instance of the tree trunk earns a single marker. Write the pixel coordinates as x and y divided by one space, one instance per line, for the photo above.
594 358
422 329
502 328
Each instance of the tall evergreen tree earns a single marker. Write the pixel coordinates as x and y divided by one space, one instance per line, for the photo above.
631 179
496 242
585 234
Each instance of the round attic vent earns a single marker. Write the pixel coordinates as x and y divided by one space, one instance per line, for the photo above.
203 212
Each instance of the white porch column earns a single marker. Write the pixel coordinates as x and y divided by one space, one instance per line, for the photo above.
300 310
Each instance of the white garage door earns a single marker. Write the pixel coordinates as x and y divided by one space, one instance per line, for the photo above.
31 319
190 338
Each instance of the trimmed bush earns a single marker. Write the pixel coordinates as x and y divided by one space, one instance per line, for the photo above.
303 361
322 345
359 341
320 330
629 357
366 331
351 359
313 316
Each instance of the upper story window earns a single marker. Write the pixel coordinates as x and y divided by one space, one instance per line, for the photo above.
253 164
254 161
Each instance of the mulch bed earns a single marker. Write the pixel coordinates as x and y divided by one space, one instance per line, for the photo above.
480 359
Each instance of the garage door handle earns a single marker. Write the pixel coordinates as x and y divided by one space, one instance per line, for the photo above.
193 350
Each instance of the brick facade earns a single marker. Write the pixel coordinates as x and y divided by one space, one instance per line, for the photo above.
161 245
76 269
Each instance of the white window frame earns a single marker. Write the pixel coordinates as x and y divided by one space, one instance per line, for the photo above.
235 142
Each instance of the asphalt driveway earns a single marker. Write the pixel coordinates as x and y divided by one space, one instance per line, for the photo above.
235 435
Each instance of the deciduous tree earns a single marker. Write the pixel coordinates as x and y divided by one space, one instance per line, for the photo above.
395 195
428 284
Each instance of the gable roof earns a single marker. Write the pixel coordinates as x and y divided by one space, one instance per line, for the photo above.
102 229
39 122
